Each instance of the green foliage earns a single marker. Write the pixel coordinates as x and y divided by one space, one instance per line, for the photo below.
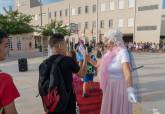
55 26
16 23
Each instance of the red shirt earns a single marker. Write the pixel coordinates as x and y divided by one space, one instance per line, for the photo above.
8 91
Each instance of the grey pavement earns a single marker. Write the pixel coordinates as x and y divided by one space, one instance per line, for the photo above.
152 79
15 55
26 82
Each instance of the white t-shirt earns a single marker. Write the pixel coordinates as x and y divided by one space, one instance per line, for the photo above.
49 51
115 68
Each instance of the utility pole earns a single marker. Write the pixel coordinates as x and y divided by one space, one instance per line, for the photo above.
18 4
69 28
69 13
41 12
97 21
41 24
135 21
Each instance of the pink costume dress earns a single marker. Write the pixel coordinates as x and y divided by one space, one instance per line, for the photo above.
115 97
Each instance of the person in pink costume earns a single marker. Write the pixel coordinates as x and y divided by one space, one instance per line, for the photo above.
115 77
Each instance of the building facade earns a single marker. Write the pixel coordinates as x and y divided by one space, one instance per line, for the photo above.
139 20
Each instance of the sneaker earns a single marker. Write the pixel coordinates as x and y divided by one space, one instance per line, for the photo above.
91 88
84 95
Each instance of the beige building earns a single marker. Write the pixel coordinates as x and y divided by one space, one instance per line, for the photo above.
139 20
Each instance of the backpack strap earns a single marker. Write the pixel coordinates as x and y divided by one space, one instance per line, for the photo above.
59 59
54 65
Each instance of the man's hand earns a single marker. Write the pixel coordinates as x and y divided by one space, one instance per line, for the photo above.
82 50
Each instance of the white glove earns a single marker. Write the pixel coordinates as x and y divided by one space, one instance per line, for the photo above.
82 50
131 95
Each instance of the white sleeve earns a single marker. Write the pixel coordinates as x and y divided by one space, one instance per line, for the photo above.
124 56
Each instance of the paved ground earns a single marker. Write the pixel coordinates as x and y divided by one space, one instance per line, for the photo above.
152 78
15 55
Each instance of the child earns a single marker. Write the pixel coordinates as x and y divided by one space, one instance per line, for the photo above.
91 71
8 91
91 62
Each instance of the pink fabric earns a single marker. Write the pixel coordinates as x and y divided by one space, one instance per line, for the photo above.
103 68
115 98
76 82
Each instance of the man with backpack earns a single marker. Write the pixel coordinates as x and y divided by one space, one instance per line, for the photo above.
55 78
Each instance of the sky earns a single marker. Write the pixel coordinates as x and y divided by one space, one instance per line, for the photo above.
163 4
50 1
5 3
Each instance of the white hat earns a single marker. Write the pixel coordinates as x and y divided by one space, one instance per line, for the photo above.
115 36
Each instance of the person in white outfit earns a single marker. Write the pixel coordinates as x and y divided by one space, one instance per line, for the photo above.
116 77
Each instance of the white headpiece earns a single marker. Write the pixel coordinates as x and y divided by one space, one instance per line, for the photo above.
115 36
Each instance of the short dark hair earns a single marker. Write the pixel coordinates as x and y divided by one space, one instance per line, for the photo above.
73 55
56 39
3 35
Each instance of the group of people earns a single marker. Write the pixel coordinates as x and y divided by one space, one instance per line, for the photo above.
58 72
146 47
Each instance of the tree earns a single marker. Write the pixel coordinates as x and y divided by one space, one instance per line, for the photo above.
3 22
55 26
16 23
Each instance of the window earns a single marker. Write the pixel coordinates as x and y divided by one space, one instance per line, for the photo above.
73 11
103 8
121 23
143 28
10 45
79 10
43 14
66 12
86 25
163 4
131 3
60 13
94 8
23 2
94 24
151 7
110 23
121 4
61 21
79 26
102 24
86 9
36 17
55 14
49 14
130 22
112 5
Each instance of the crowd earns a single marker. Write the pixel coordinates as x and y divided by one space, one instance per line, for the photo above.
63 71
132 46
146 47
